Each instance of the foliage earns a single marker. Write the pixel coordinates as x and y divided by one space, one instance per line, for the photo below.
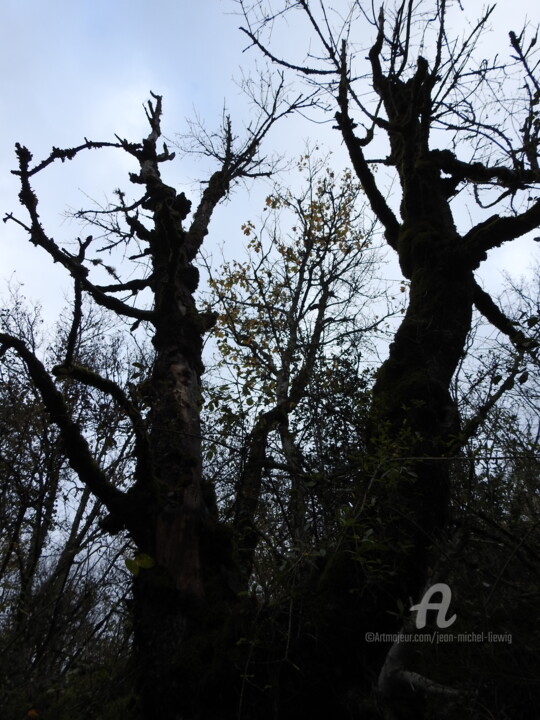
295 324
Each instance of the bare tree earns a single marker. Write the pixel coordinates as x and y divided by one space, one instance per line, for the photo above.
163 503
449 126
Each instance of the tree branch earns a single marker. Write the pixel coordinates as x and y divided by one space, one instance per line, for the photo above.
497 230
361 167
299 68
75 268
476 172
236 163
133 286
484 304
107 386
473 424
75 445
64 154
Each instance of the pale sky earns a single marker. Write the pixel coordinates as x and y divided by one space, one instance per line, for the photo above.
83 68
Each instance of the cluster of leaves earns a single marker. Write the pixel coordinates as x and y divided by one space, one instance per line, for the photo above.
303 268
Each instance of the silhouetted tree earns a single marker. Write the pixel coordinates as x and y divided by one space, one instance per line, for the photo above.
183 564
452 124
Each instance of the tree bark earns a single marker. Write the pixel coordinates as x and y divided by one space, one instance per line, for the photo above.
413 418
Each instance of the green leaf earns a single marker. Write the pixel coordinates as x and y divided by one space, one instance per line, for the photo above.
144 561
132 566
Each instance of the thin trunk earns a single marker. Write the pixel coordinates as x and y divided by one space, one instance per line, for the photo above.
248 490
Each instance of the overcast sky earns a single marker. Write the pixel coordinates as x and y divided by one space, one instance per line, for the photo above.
83 68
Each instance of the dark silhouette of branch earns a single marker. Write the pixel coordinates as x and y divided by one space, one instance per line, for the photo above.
484 303
107 386
76 447
360 165
299 68
497 230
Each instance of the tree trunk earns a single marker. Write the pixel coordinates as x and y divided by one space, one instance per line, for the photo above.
414 420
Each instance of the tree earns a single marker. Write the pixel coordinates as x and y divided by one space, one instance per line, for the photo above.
437 108
169 513
294 317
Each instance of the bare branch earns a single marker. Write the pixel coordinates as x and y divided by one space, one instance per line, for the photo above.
107 386
61 154
299 68
484 304
75 267
497 230
76 447
237 163
361 167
